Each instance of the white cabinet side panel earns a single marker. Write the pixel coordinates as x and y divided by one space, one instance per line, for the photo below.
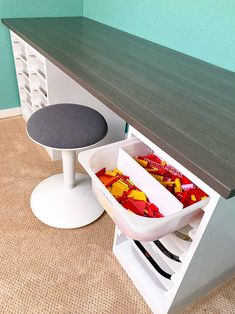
214 259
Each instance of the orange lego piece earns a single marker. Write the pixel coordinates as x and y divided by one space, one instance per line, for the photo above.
105 179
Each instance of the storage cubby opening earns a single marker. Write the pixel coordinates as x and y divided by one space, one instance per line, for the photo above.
38 82
28 101
22 79
21 67
39 99
26 110
27 89
162 259
36 107
37 66
153 259
19 50
25 74
23 57
22 93
139 270
42 91
41 74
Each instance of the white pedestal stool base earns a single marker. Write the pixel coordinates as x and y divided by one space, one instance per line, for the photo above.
60 207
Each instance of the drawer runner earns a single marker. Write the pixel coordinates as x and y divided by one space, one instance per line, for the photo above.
166 252
151 260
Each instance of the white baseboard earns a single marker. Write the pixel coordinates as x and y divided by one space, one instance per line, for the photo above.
11 112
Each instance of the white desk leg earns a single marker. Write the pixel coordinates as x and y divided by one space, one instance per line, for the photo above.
214 258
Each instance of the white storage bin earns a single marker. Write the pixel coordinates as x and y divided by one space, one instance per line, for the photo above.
134 226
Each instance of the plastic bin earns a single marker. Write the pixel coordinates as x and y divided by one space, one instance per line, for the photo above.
119 155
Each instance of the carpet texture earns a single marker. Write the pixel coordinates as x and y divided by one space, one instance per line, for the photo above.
48 270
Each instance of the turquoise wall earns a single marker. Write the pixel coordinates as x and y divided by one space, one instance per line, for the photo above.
25 8
204 29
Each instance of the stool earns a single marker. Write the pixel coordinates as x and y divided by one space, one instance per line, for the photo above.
66 200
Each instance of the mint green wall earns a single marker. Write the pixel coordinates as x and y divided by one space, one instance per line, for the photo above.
25 8
204 29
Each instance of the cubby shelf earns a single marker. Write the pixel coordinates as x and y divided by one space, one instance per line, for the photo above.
155 253
31 76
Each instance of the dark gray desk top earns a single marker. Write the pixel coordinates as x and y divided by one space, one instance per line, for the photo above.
184 105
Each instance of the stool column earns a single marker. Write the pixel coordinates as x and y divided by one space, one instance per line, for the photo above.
68 160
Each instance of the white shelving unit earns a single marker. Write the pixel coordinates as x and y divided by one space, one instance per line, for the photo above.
181 263
31 76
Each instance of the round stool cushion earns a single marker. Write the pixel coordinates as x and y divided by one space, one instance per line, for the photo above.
66 126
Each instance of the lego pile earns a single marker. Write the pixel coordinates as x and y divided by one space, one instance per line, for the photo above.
127 194
180 186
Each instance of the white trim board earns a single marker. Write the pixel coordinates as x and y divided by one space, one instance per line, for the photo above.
11 112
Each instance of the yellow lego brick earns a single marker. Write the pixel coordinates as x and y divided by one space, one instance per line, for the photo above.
193 198
157 177
114 173
153 169
129 182
177 182
143 163
118 188
137 195
203 197
168 183
178 187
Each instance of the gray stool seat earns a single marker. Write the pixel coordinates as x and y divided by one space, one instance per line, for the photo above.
67 126
66 200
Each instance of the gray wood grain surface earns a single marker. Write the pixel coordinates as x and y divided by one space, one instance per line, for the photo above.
184 105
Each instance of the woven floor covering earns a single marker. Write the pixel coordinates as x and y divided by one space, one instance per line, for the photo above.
48 270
